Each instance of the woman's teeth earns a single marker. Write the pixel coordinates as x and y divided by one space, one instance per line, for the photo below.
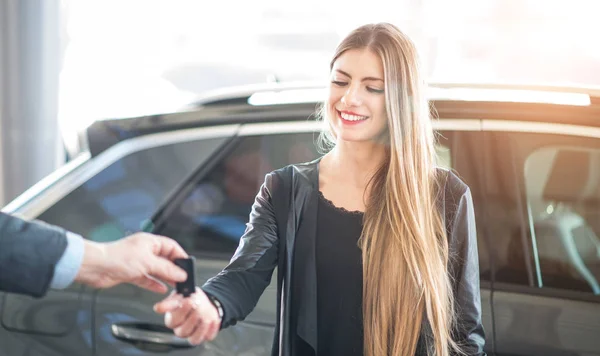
352 117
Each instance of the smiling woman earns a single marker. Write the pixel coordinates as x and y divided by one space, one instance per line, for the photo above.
375 246
379 125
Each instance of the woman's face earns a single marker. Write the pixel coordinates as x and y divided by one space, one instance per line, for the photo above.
356 97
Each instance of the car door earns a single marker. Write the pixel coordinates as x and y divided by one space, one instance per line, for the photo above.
58 324
208 216
543 198
104 199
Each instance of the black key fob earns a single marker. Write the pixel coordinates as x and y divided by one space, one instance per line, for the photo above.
189 286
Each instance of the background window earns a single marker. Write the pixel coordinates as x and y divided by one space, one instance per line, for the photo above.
116 201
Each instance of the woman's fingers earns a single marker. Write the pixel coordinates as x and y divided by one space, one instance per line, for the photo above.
170 303
213 330
178 317
194 318
189 325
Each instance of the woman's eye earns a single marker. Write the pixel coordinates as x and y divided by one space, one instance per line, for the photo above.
339 84
375 90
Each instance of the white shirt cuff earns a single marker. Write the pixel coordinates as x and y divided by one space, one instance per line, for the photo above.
67 267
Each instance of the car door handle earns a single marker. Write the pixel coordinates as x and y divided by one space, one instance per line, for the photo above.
148 333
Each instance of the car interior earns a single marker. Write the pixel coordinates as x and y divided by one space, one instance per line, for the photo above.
562 193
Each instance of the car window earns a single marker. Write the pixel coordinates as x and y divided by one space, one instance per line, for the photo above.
545 205
212 218
563 199
119 199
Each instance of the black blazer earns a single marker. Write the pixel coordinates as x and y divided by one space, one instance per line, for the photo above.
286 209
29 252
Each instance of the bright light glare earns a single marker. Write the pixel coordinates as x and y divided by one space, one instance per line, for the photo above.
287 97
464 94
517 96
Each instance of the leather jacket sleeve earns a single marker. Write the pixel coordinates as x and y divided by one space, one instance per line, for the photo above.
239 286
464 269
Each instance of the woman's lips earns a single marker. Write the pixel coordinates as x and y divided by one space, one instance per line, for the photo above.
351 118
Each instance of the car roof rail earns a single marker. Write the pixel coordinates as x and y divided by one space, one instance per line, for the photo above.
591 90
302 92
242 94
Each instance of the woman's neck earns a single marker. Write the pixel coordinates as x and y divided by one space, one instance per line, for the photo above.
356 162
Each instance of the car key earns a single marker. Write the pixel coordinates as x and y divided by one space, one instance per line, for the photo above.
187 287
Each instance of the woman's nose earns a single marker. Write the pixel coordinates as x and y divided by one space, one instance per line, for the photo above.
351 97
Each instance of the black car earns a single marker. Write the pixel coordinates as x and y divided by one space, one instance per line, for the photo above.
531 157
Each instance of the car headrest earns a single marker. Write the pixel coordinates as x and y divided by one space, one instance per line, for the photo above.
568 177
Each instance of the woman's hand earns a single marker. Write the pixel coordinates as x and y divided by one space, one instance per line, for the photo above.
194 317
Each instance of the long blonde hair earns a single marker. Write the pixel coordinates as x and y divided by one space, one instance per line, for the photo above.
404 244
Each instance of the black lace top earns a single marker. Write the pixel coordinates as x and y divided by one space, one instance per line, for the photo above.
339 280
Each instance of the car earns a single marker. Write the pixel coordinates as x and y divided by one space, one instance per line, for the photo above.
530 154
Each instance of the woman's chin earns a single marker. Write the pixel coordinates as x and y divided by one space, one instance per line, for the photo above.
356 139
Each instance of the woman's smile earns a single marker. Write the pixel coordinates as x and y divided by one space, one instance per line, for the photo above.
351 118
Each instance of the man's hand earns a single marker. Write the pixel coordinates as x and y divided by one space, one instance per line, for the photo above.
142 259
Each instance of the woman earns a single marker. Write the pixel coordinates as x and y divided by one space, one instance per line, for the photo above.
375 247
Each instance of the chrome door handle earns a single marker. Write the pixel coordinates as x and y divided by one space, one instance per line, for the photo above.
148 333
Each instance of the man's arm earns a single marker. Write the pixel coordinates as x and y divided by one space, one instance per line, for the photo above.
29 252
35 256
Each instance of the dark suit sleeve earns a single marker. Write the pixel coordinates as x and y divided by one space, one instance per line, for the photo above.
29 252
239 286
464 268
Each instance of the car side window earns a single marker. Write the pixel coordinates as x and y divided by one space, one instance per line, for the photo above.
211 219
546 210
563 200
120 198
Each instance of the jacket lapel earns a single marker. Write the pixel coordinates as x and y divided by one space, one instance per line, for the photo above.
304 274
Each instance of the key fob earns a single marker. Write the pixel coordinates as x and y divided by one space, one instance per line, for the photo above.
189 286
